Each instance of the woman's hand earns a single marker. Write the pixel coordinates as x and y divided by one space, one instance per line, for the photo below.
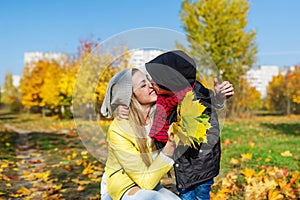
170 146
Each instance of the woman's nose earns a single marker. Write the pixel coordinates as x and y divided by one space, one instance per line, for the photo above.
153 84
149 84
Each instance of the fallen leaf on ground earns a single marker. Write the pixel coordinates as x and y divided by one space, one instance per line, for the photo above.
286 154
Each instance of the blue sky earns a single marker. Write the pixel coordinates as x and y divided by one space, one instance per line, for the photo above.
58 25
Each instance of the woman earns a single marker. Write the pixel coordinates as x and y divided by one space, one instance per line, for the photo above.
133 168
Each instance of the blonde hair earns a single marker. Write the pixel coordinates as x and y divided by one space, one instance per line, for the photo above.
137 121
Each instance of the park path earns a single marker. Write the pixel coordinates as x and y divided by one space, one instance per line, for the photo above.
30 163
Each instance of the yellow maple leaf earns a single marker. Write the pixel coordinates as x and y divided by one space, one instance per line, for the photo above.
24 191
267 159
248 173
247 156
192 124
58 187
80 188
275 195
4 165
74 155
251 144
261 172
234 161
88 169
286 154
43 175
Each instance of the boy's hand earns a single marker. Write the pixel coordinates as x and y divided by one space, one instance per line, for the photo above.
122 112
223 91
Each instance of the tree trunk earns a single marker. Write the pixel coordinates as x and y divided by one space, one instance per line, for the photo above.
62 110
43 112
288 106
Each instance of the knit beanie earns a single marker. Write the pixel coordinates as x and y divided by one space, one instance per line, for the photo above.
173 70
118 92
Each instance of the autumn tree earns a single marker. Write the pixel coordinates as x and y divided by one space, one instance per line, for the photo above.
276 94
66 83
293 93
58 86
87 65
283 92
25 88
86 79
79 82
249 102
47 84
219 28
96 66
31 84
50 92
112 66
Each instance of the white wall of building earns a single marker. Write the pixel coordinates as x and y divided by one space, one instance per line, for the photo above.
141 56
30 58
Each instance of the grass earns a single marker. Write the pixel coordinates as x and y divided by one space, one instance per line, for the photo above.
246 143
272 141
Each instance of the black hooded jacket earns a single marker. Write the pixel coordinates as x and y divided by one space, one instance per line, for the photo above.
199 165
195 165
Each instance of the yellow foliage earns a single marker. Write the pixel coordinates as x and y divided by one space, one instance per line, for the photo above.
247 156
46 83
248 98
234 161
31 83
248 173
275 195
192 124
283 92
270 182
50 89
286 154
267 160
88 169
23 191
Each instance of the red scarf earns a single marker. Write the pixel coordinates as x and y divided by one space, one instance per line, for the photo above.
164 106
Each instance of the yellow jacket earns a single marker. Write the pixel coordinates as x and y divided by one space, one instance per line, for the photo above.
125 167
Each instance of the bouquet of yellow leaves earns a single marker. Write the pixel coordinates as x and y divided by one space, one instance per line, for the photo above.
192 124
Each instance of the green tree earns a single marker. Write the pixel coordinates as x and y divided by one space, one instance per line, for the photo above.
219 27
10 92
